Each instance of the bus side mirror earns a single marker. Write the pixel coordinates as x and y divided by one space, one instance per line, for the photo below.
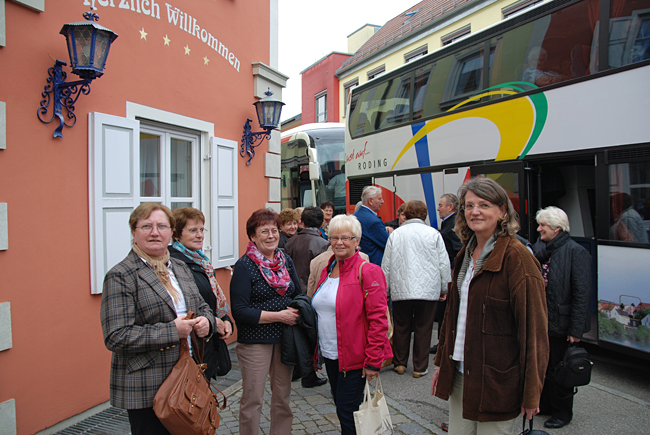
314 167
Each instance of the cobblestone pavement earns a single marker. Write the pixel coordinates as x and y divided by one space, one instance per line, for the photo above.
313 412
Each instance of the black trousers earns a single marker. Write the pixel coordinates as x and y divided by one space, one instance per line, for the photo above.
347 391
145 422
556 400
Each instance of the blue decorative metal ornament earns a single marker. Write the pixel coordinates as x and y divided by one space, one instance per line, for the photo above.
88 47
268 111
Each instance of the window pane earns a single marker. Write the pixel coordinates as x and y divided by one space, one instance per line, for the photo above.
549 50
394 106
421 81
181 168
629 188
181 205
629 38
149 165
321 108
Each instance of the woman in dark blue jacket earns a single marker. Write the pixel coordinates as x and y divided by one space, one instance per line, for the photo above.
188 236
566 268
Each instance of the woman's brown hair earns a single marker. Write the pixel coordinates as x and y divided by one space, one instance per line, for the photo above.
491 191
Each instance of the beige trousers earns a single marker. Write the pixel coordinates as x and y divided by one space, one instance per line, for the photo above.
257 361
459 426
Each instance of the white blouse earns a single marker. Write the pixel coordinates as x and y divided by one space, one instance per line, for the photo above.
324 303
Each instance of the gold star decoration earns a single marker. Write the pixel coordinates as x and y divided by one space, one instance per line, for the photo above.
187 50
166 39
143 34
205 60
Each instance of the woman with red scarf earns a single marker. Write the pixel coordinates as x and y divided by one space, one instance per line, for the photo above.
263 283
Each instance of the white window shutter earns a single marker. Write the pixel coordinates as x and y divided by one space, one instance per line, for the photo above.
114 189
224 202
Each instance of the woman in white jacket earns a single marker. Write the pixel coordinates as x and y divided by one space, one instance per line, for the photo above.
417 271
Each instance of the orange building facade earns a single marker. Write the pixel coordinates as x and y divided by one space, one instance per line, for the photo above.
162 124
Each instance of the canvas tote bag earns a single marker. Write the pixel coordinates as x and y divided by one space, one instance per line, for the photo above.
373 417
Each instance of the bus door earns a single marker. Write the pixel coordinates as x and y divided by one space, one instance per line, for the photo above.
387 185
426 187
512 178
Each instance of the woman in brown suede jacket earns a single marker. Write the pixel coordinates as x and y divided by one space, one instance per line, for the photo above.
493 347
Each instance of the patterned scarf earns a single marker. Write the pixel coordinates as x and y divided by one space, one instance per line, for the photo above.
199 258
485 253
160 267
274 273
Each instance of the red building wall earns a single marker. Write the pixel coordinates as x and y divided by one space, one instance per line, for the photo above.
58 365
318 78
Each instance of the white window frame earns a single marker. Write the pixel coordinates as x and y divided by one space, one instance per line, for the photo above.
166 134
111 206
321 116
457 34
519 7
376 72
417 53
347 91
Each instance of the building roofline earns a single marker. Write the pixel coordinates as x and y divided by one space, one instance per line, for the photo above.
323 58
367 24
430 27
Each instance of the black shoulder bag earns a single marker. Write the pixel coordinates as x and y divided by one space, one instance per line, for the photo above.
575 368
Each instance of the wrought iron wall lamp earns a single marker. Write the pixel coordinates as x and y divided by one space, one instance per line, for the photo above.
268 110
88 46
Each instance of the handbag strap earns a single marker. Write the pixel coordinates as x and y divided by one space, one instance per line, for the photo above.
378 387
198 352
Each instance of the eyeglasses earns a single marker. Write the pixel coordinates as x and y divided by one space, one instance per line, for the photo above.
147 228
483 206
193 231
342 239
266 233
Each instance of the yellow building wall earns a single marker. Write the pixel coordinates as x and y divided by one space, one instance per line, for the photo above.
358 38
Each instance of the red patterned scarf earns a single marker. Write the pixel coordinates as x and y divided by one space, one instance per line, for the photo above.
274 272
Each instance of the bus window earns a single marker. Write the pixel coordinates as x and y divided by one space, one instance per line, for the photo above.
395 106
629 27
422 76
629 197
465 77
549 50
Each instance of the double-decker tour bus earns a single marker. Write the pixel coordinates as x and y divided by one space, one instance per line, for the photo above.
328 139
554 104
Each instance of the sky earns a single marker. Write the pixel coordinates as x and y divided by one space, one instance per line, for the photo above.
312 29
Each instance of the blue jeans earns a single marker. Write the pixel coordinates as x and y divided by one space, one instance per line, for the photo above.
347 390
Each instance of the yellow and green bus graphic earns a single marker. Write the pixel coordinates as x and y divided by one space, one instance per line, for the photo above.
520 122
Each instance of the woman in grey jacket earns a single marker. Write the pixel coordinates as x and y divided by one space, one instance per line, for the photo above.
566 268
417 271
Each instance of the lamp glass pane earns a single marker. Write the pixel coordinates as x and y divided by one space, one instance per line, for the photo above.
84 39
101 42
69 37
259 107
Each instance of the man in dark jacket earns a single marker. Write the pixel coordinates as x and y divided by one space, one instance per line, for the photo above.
302 248
374 234
447 208
306 245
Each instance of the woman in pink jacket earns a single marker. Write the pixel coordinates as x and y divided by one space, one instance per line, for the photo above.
352 323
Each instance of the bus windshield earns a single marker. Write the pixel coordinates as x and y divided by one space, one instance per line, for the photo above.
329 142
